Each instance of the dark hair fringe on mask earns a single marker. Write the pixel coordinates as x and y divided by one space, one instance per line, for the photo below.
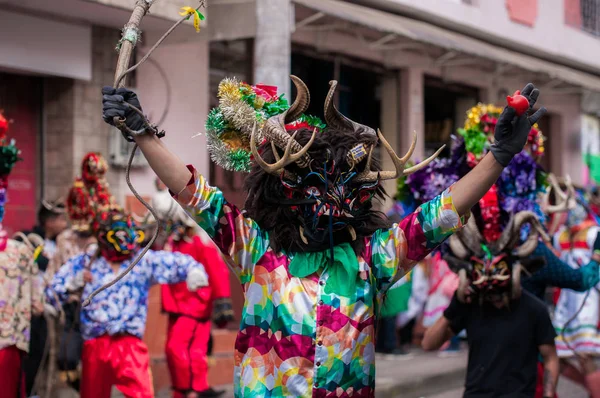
265 190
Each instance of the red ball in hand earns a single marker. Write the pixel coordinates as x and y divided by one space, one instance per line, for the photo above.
519 103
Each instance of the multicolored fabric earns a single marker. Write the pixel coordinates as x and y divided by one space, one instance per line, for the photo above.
442 285
21 289
123 307
294 339
581 334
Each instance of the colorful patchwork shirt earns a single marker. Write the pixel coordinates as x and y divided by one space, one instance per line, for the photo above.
21 288
123 307
295 340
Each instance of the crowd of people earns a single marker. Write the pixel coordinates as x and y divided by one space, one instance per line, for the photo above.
474 243
52 345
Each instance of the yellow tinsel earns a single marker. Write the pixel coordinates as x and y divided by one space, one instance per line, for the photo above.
229 89
475 113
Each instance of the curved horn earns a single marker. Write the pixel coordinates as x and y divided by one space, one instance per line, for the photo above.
287 158
463 285
301 101
457 247
506 237
25 240
274 128
561 197
35 239
516 281
335 119
467 241
369 175
537 231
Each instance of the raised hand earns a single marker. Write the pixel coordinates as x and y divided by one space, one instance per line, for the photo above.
512 131
115 103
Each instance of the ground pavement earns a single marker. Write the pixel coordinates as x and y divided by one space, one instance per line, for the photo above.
419 375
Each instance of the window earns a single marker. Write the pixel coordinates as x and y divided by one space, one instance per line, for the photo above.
584 15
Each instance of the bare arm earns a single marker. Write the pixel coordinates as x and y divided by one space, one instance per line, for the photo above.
469 189
437 335
167 166
551 369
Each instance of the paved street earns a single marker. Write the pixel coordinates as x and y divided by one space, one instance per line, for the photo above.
419 375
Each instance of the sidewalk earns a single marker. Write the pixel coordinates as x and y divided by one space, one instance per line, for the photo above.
411 376
419 374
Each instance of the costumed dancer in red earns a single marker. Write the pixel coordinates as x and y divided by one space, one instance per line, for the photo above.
190 312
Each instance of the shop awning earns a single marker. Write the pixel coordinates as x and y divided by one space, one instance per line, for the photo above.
422 32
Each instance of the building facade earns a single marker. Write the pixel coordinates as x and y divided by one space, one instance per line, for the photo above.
402 65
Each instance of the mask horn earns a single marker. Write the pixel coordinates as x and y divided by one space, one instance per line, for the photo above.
516 281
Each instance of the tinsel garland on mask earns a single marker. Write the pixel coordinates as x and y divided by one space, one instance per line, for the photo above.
229 126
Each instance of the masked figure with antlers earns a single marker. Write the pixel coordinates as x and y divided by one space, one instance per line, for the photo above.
497 314
313 256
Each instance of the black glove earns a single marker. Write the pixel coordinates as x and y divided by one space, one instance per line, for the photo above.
222 312
597 244
113 104
455 308
512 131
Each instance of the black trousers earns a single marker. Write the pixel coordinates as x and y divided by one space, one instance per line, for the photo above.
33 361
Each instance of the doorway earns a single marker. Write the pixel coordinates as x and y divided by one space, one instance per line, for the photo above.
21 103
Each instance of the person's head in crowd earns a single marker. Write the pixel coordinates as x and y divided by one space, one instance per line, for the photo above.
52 219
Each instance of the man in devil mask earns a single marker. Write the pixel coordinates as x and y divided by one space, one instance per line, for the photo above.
313 256
112 325
507 327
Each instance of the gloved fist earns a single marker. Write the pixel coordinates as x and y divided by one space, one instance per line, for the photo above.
196 278
114 104
511 131
222 312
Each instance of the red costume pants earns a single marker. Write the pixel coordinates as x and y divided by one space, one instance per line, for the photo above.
122 361
12 379
186 351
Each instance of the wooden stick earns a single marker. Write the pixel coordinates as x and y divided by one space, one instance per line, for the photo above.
139 11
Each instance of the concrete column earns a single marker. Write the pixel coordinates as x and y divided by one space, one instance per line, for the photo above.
390 108
412 111
272 45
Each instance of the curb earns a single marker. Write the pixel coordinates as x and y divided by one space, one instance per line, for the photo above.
424 386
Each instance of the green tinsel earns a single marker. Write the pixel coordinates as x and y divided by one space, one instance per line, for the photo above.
313 121
239 160
475 140
9 155
248 96
215 121
275 108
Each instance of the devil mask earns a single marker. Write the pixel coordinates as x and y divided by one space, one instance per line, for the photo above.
494 269
312 188
118 238
558 202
